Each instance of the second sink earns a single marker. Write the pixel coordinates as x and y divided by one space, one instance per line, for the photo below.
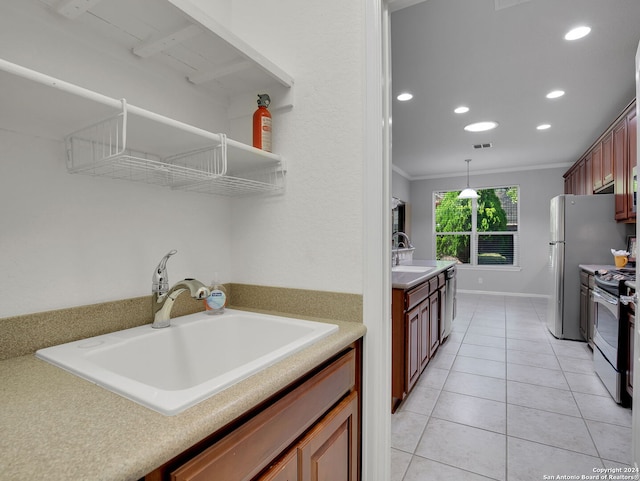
415 269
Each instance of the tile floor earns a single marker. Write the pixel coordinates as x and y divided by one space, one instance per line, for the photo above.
504 400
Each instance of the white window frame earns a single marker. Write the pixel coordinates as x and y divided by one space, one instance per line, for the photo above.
474 234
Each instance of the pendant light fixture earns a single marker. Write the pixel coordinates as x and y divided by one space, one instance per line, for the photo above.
468 193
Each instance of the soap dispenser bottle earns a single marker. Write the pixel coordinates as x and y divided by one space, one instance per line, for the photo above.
217 300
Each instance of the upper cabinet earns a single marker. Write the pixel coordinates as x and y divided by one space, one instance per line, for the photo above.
609 166
105 134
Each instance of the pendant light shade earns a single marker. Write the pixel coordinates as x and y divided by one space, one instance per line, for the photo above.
468 193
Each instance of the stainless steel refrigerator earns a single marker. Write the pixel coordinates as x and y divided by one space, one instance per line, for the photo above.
583 231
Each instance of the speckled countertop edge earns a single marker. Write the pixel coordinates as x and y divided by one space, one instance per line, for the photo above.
58 426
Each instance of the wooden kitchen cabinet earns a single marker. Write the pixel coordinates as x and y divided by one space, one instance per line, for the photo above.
621 167
416 318
328 451
596 167
313 425
610 166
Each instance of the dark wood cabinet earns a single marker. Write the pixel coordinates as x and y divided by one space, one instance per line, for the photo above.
621 166
609 166
417 314
309 432
596 167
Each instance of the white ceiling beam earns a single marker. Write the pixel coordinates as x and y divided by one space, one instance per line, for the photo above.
159 44
219 72
74 8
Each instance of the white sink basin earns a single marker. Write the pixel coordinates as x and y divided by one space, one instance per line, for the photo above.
415 269
171 369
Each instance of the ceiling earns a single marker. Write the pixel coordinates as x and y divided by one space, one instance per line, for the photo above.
500 58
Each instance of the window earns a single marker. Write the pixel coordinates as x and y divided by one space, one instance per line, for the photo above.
482 231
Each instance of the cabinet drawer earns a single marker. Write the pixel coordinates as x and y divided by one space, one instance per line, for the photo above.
441 279
416 296
584 278
433 284
249 449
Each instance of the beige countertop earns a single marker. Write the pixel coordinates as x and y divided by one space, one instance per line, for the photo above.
407 280
57 426
592 268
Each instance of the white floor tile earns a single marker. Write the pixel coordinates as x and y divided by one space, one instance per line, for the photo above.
558 430
572 349
422 469
574 364
476 385
471 449
399 464
543 398
483 367
535 359
483 340
472 411
421 400
603 408
433 377
587 383
482 352
442 360
613 442
406 429
530 346
537 375
529 461
485 331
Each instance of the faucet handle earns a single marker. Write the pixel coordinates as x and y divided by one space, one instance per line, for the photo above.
160 278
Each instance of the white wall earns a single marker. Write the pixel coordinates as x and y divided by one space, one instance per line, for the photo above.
69 240
312 237
537 187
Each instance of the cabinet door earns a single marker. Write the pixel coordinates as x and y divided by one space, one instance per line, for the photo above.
607 159
412 347
632 161
284 470
329 452
434 323
621 170
596 166
425 317
442 299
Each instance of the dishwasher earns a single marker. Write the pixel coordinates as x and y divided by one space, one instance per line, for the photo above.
450 303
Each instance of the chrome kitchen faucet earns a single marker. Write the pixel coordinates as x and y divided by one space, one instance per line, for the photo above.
163 297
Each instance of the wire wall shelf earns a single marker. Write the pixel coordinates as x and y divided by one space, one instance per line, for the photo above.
102 150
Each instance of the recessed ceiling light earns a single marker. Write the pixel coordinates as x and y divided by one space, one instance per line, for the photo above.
543 126
461 110
554 94
404 96
481 126
578 32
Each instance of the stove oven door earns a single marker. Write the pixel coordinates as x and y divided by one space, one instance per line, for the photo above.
605 339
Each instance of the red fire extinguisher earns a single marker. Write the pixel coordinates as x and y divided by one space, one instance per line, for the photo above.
262 124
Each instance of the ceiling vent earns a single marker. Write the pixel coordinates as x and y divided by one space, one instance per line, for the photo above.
482 146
